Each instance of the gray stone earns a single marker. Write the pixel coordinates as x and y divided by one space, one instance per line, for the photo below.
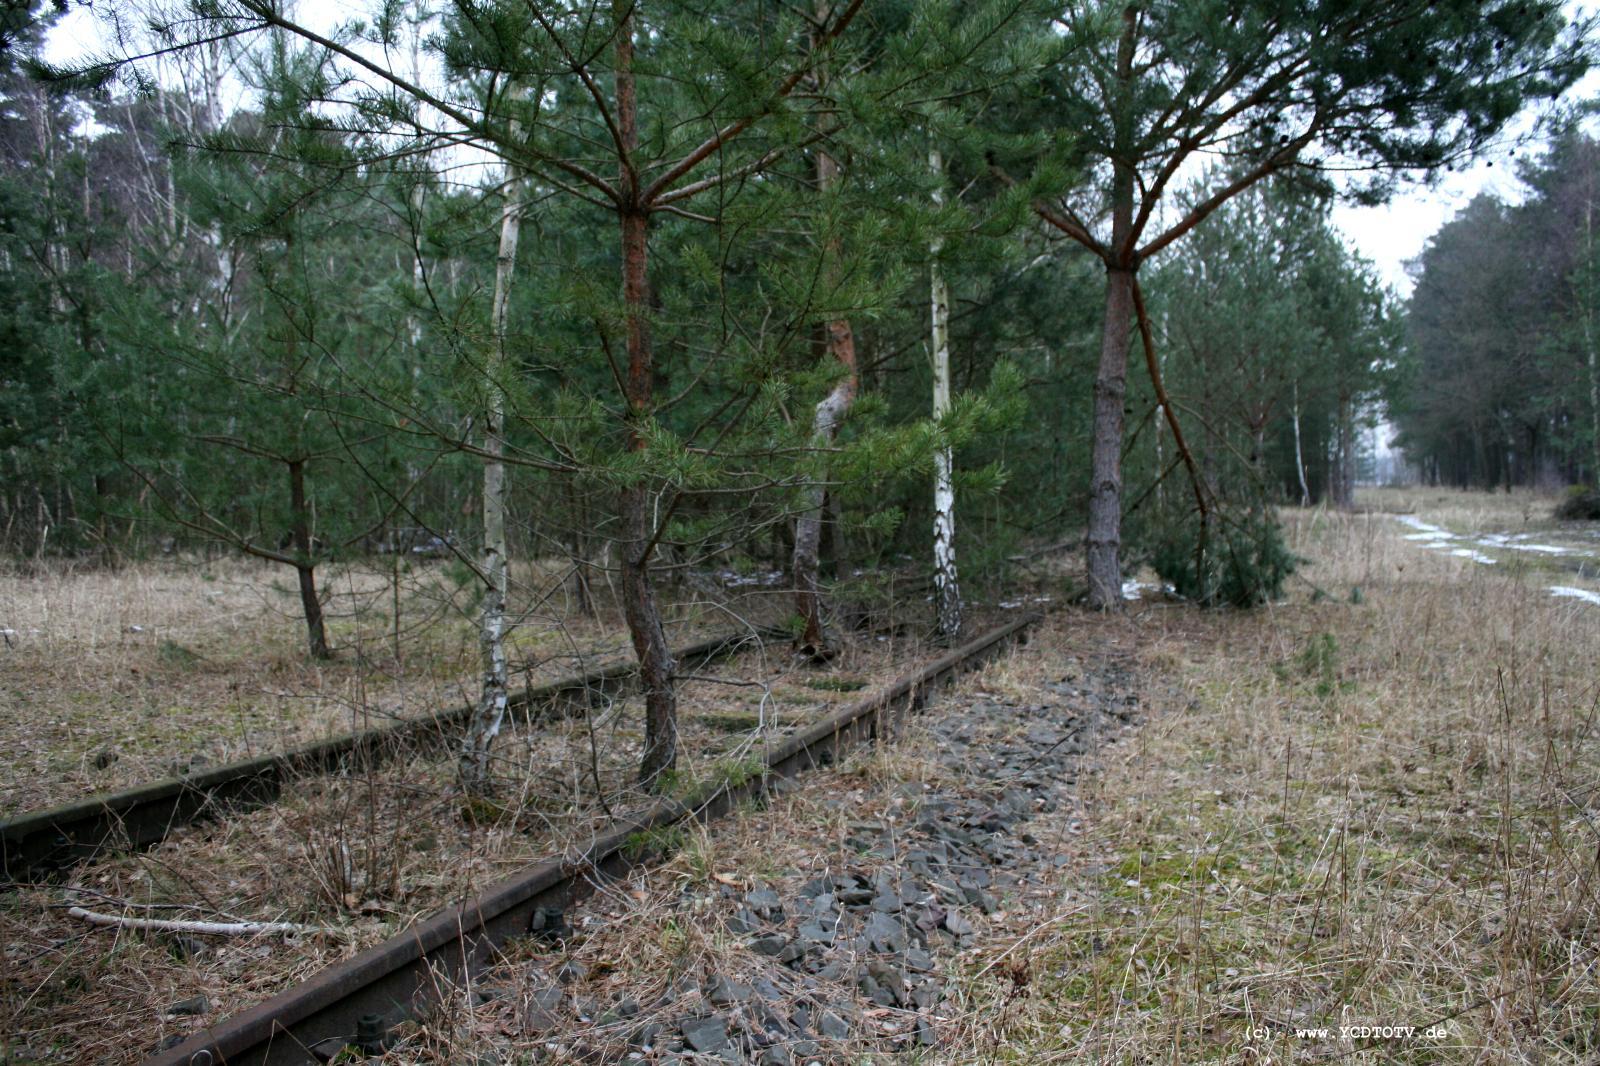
957 924
834 970
764 902
883 933
188 1008
725 992
744 920
886 903
777 1055
570 971
769 945
816 933
544 1011
832 1026
854 897
706 1035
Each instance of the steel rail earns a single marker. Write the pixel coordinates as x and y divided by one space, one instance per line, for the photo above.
40 842
404 974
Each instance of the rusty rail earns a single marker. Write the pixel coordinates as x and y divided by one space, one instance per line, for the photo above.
40 842
404 973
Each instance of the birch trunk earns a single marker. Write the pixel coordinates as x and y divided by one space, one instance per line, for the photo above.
830 412
947 589
1589 342
473 760
1299 454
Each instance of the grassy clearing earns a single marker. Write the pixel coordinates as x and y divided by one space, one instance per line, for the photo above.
114 678
1378 814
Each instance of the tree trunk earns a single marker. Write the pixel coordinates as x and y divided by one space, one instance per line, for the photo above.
638 594
1104 539
1299 453
1591 266
1343 475
808 527
305 566
472 764
830 412
947 589
638 523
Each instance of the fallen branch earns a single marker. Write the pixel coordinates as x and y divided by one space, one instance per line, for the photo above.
165 925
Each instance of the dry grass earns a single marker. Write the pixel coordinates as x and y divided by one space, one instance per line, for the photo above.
1374 804
1372 813
114 678
368 855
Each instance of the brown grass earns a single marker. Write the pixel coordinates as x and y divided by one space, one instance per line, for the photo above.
115 678
368 855
1378 813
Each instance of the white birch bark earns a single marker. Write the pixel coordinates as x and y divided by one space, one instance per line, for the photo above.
946 588
1299 454
473 762
1590 266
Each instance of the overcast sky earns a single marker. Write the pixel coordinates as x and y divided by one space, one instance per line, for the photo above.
1388 235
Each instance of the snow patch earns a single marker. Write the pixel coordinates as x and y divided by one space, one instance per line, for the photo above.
1576 594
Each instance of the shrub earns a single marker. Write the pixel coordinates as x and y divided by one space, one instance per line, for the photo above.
1244 561
1581 503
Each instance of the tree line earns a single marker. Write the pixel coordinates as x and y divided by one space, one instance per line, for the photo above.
652 287
1501 386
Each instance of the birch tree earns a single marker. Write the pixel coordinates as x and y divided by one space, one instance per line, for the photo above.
946 587
473 762
595 147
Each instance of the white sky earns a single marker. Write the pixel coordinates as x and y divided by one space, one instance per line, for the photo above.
1389 235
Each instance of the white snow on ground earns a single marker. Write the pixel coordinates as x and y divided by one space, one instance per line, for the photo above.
1577 594
1132 588
1431 536
1514 541
1418 524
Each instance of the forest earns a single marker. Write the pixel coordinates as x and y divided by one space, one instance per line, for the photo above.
359 361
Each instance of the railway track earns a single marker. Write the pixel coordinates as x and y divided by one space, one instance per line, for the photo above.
42 842
357 1001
